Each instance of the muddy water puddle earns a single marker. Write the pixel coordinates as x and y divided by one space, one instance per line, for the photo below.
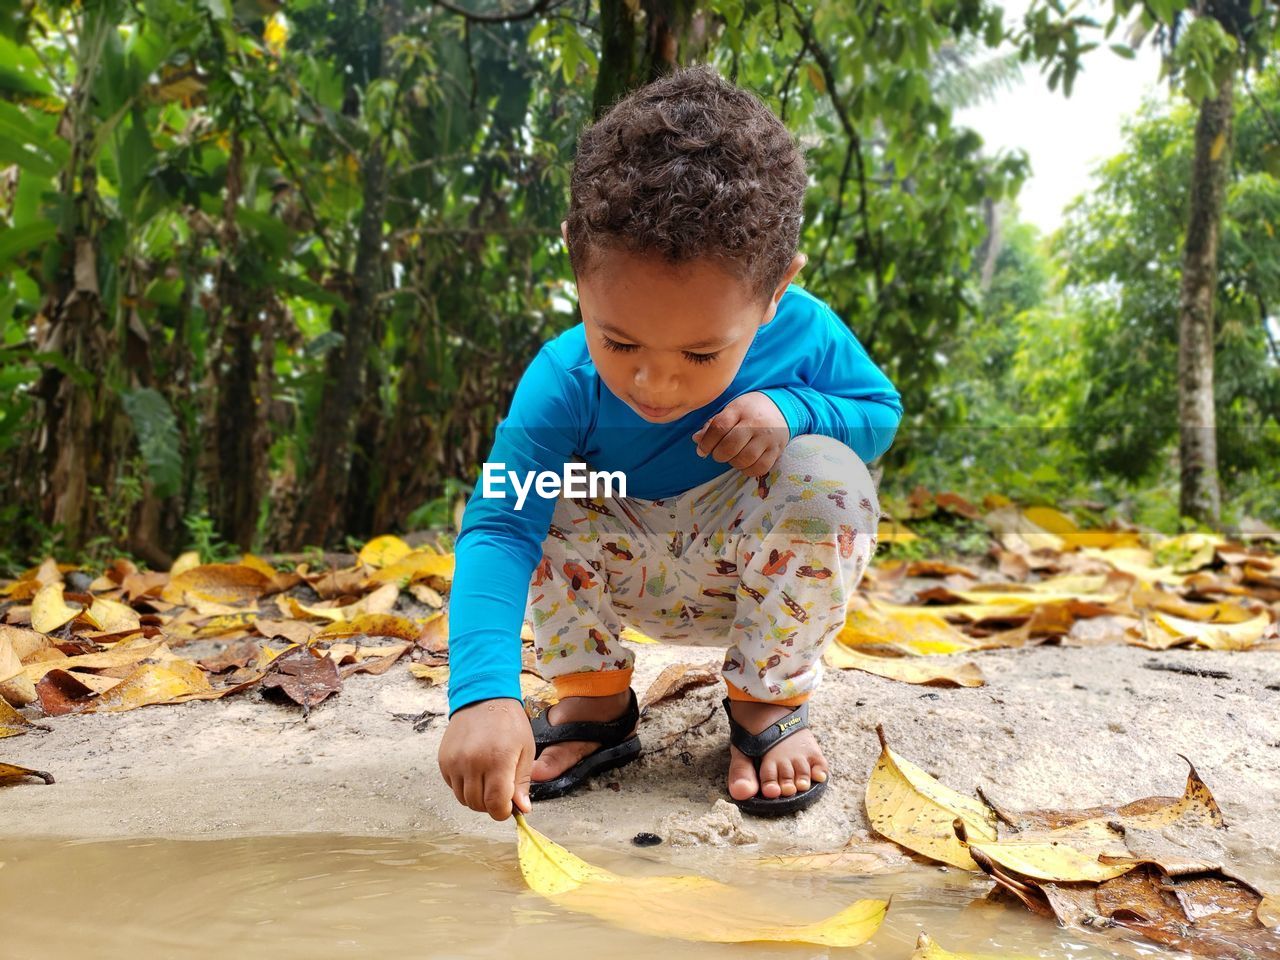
318 896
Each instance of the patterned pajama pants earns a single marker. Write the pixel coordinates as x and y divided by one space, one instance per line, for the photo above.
764 567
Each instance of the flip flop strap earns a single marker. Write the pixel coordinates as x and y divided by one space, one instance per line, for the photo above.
608 733
756 745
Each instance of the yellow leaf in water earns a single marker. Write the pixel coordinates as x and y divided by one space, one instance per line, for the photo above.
689 908
384 551
153 683
419 565
911 808
926 949
930 671
434 675
1217 636
49 611
1067 855
1269 911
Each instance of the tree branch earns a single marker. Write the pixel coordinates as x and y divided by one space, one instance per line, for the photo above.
853 153
540 6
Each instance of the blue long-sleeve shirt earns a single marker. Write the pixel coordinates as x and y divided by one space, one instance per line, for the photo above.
805 359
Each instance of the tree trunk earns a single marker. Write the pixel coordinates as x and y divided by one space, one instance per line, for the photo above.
71 445
1198 446
236 458
334 430
676 33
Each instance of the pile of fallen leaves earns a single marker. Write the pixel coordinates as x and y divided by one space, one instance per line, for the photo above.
1157 867
72 644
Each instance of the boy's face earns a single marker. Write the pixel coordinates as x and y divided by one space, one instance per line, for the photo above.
668 340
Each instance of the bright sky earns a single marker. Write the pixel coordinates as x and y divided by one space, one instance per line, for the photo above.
1065 138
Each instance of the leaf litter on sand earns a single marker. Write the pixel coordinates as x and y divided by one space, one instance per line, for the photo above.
1153 866
685 907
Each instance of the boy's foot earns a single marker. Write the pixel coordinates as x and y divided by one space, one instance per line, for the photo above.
556 758
790 767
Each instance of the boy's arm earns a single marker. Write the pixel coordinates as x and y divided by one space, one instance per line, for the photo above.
499 546
848 398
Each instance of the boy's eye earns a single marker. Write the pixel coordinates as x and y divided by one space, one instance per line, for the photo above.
615 345
700 357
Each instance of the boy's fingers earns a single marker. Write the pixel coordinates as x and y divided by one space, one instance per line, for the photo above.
524 776
752 452
474 793
713 431
732 443
497 795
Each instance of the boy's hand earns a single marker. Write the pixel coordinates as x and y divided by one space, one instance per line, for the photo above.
486 756
750 434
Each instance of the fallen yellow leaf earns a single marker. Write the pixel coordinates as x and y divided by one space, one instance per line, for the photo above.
187 561
1217 636
930 671
434 675
914 630
384 551
911 808
379 601
418 565
49 611
689 908
231 583
152 683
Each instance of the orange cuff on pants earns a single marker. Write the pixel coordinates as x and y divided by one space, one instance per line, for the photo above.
737 693
592 683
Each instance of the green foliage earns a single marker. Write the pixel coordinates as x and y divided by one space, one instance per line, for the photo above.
158 439
202 537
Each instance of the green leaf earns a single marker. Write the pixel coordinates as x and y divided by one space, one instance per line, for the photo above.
18 240
1122 50
158 439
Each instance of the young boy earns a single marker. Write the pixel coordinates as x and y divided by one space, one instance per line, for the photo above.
740 411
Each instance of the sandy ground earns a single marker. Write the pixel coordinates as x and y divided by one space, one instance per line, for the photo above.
1054 727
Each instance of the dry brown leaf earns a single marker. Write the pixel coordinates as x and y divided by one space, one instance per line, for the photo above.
677 679
228 583
294 631
303 675
62 692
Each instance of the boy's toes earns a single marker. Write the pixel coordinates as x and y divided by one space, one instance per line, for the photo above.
770 789
742 777
786 778
801 769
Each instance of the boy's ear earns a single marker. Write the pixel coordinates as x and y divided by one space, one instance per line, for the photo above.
793 268
564 231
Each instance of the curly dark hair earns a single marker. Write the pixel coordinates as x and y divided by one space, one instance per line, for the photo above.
689 167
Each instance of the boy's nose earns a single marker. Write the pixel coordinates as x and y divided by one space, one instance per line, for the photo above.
654 381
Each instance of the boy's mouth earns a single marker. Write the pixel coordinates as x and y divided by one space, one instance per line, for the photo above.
653 413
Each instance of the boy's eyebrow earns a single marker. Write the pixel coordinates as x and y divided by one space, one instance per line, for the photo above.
700 345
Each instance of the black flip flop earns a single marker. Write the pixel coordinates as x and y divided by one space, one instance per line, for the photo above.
756 745
618 746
